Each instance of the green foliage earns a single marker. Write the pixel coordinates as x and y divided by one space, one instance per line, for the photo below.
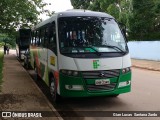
81 4
19 13
95 6
142 17
10 41
113 10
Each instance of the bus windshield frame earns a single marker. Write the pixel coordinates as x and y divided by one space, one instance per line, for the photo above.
90 35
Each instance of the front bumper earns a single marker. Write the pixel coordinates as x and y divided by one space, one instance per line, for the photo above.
85 92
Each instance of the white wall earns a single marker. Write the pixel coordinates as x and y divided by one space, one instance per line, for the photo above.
149 50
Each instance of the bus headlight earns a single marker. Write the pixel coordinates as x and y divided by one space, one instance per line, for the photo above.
126 70
75 73
70 72
74 87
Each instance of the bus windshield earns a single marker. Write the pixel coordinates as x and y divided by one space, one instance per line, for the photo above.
90 34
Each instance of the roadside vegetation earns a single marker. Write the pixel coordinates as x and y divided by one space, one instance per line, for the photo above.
141 17
1 67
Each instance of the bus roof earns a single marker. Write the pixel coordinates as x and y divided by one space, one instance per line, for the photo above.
74 13
80 12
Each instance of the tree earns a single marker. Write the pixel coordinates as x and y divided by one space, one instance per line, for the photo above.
157 18
10 41
95 5
141 22
81 4
109 6
19 13
142 17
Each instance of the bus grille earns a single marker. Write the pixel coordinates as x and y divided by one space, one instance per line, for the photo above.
101 74
101 87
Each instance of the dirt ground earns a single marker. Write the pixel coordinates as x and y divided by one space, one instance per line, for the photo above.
20 93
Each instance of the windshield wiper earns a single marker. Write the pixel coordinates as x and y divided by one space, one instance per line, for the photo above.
96 51
115 47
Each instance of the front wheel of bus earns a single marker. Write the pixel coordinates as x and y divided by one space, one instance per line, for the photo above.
53 90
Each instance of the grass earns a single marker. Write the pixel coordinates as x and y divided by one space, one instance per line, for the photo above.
1 67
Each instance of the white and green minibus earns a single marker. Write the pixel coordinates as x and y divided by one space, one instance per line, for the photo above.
81 53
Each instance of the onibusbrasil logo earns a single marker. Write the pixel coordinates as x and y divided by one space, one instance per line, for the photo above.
21 114
96 64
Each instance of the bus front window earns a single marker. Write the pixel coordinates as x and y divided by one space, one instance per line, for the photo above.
90 34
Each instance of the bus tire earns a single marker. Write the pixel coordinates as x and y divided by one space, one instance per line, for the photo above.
53 90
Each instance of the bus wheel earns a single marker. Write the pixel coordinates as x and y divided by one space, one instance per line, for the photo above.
53 90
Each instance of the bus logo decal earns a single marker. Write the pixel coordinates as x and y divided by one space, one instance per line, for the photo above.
96 64
52 60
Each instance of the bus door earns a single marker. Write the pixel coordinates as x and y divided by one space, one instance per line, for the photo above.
42 53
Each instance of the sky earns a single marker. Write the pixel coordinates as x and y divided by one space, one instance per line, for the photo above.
57 6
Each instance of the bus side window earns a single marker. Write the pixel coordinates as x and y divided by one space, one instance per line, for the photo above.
46 37
34 38
43 39
52 38
31 38
38 38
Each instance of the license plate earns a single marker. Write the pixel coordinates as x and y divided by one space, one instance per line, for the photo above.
102 82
